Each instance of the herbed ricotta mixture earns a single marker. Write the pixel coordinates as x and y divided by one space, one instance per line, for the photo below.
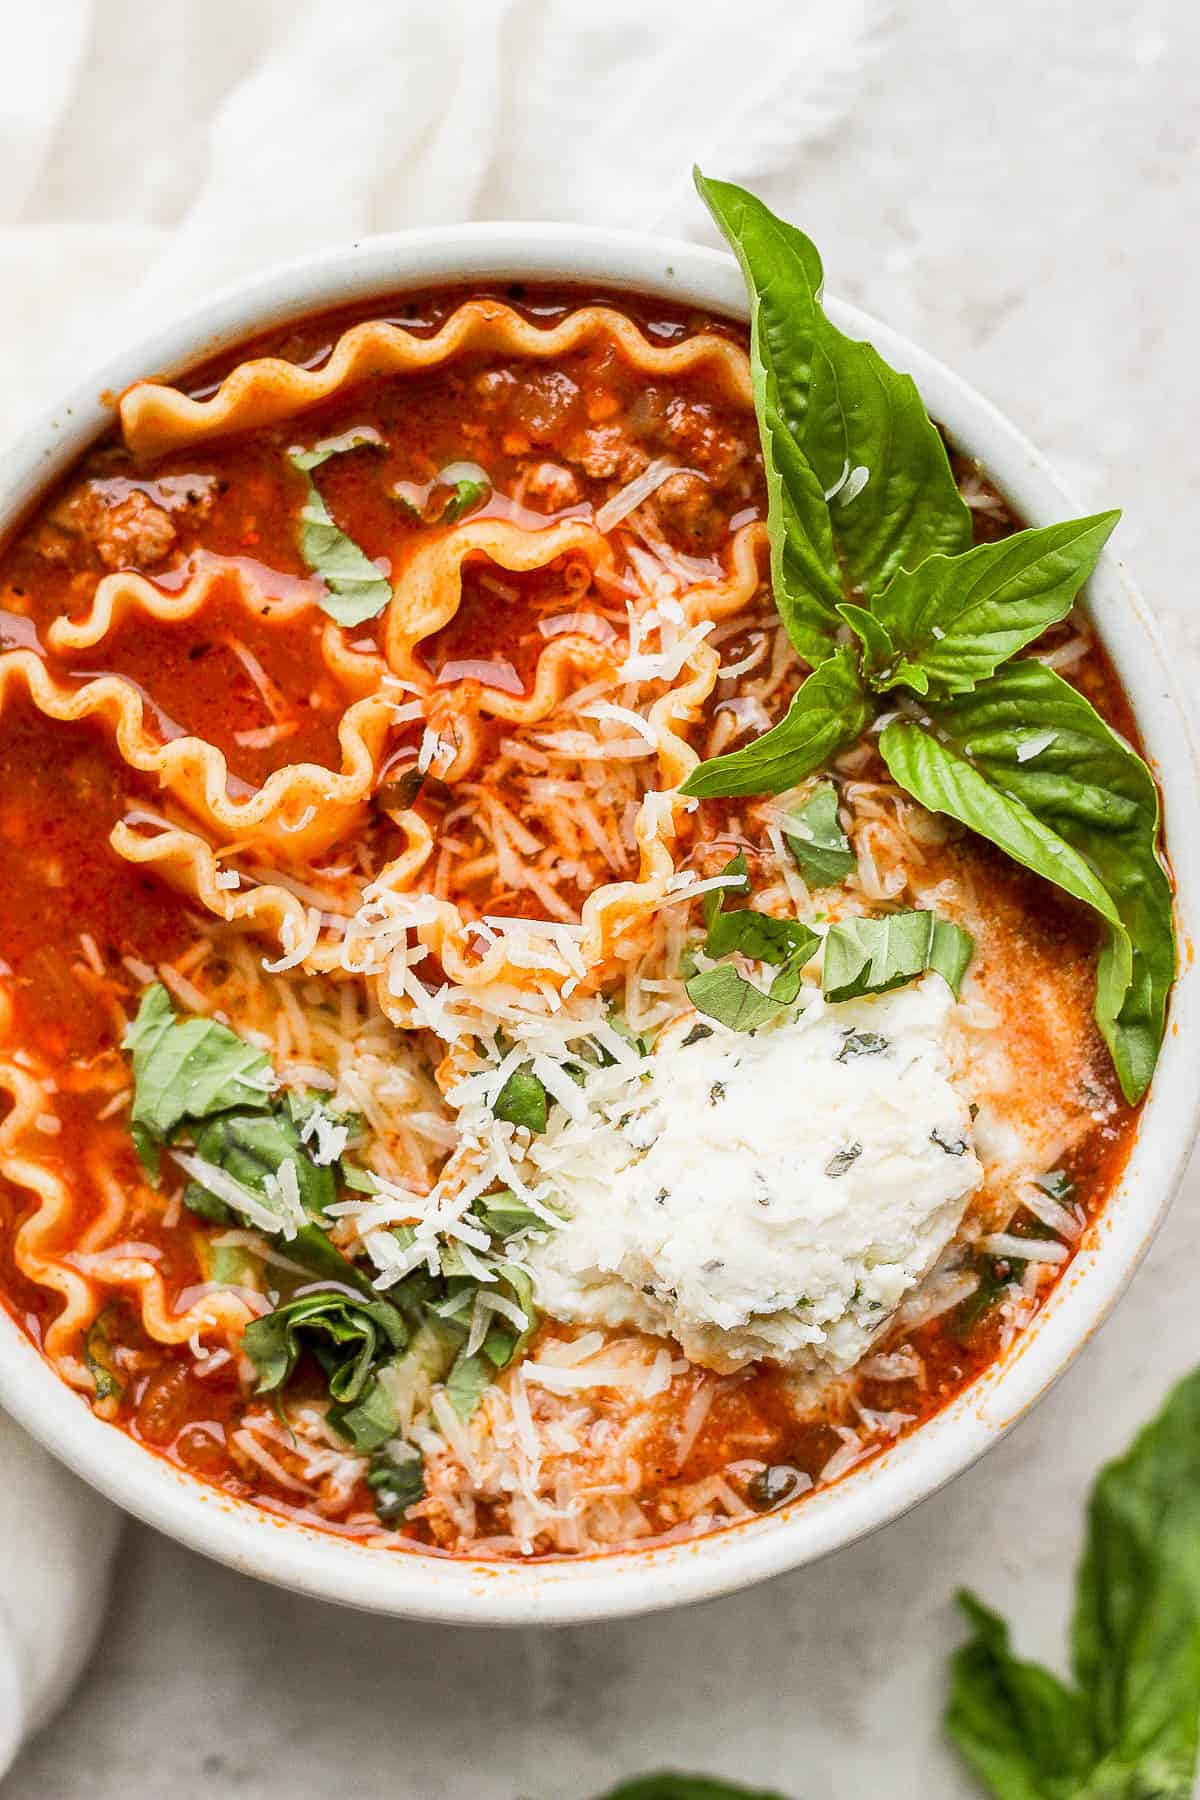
774 1194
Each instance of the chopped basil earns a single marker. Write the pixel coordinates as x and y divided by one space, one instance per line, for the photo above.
815 838
468 493
1058 1184
504 1215
726 996
858 480
398 794
861 1043
842 1161
1128 1723
872 956
185 1069
696 1035
97 1354
770 1487
953 1146
396 1484
356 590
350 1338
756 935
523 1101
252 1147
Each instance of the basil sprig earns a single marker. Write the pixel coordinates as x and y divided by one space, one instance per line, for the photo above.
356 591
870 538
1130 1724
858 485
829 712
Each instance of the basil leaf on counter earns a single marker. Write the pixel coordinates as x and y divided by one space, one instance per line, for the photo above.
872 956
859 483
185 1069
523 1101
1129 1726
356 589
395 1484
1028 763
816 840
954 620
829 711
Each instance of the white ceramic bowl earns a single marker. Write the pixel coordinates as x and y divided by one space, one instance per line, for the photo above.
420 1586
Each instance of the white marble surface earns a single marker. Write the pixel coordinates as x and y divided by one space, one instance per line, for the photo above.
1017 187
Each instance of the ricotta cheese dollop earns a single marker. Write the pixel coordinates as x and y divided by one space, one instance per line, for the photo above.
771 1195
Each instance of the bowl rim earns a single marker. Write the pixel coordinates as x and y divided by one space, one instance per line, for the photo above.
420 1585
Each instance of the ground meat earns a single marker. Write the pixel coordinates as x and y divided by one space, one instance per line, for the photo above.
124 526
542 404
132 534
692 428
606 452
548 487
687 512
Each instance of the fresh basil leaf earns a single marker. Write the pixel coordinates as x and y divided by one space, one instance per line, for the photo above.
1028 763
858 480
468 493
872 956
815 838
346 1335
198 1200
395 1484
954 620
356 589
1131 1724
522 1101
187 1069
670 1786
828 712
468 1381
1024 1732
756 935
412 1377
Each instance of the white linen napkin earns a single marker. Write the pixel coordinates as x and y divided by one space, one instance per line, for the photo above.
151 153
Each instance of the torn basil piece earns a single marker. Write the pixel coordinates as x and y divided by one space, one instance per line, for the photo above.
186 1069
872 956
756 935
523 1101
816 840
396 1483
357 591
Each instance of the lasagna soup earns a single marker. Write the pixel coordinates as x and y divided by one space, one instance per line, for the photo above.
433 1112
